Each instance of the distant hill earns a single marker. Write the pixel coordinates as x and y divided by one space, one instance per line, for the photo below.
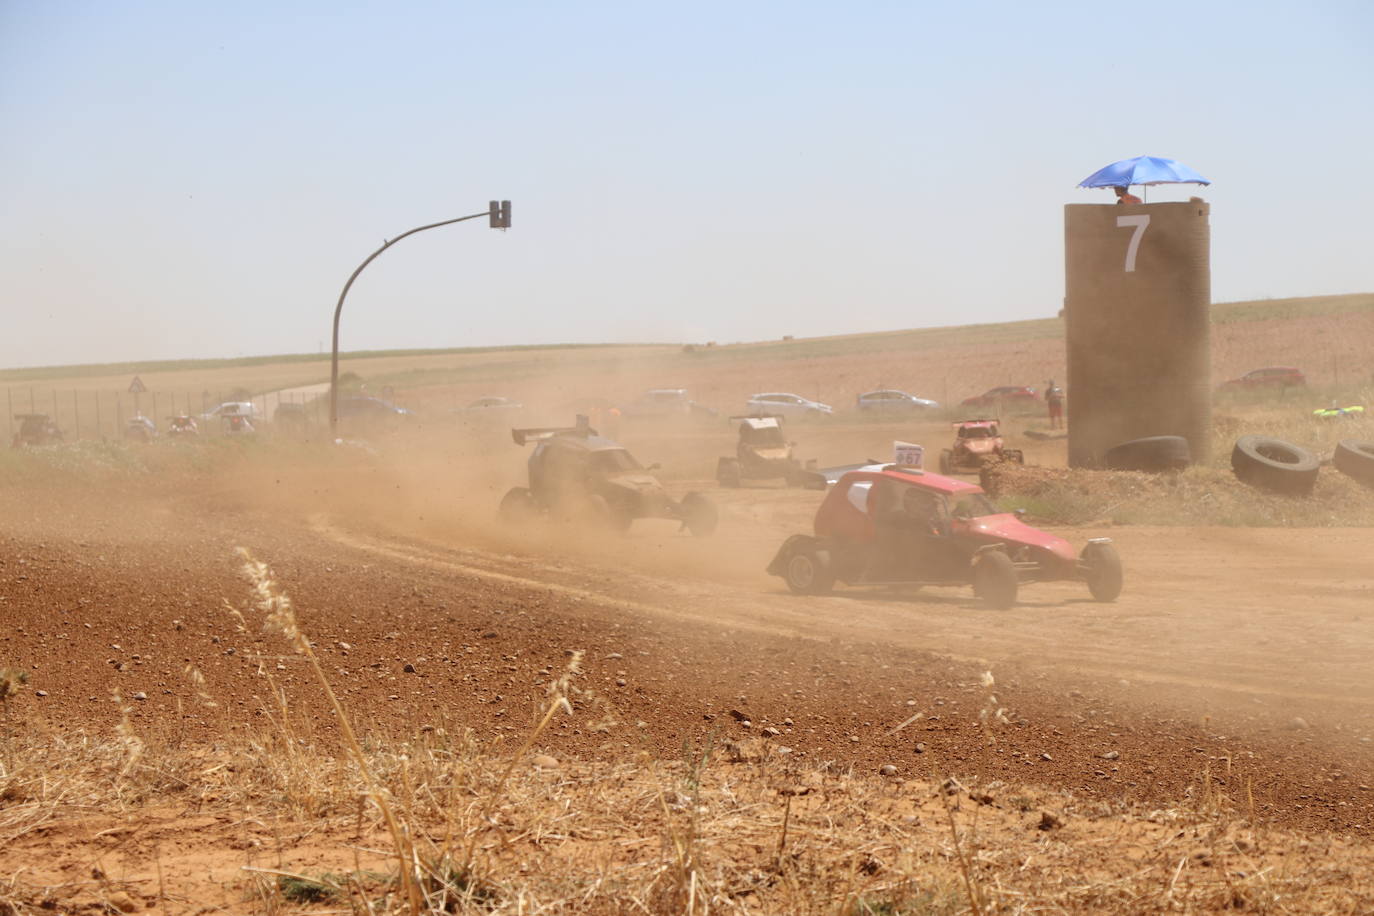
921 357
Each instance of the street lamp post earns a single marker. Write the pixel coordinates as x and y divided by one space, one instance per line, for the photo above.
498 211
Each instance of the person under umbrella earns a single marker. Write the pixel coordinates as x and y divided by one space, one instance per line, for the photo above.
1141 171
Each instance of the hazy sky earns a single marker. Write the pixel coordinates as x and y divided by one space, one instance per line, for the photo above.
186 179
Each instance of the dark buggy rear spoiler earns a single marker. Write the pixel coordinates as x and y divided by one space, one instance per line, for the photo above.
540 433
757 416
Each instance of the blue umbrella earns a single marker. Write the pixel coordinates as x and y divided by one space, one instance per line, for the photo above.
1144 170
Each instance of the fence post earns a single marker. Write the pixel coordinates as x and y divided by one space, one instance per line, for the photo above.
119 415
9 415
76 415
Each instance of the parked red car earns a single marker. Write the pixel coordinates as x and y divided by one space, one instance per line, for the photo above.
1007 395
1279 377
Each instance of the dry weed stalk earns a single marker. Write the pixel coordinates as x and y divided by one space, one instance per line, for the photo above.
557 698
991 715
684 870
281 616
133 745
427 881
11 681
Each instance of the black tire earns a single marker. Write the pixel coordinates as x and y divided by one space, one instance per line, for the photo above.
994 579
699 515
1153 454
946 462
518 506
808 572
1274 465
621 517
598 512
1355 458
806 480
727 472
1014 455
1102 571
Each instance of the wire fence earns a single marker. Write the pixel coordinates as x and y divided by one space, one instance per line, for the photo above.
106 414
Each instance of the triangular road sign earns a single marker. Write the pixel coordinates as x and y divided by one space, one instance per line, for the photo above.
136 386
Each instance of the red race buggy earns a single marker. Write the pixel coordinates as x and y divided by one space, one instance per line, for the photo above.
894 525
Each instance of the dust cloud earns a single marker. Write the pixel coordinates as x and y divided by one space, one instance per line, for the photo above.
439 484
1241 628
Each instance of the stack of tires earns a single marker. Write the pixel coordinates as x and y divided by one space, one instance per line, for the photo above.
1282 467
1260 461
1274 465
1153 454
1355 458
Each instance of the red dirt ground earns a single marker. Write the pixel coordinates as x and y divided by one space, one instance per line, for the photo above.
1239 654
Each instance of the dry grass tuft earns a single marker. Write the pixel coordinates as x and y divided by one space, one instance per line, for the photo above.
702 836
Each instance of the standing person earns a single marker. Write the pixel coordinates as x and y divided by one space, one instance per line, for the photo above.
1124 196
1054 399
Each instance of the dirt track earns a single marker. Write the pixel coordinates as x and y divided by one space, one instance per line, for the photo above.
1240 656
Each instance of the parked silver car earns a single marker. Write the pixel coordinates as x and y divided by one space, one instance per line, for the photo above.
787 405
890 399
666 402
490 403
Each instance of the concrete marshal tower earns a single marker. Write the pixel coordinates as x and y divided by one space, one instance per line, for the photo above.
1138 292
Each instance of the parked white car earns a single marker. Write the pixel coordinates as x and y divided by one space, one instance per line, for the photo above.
787 405
228 409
